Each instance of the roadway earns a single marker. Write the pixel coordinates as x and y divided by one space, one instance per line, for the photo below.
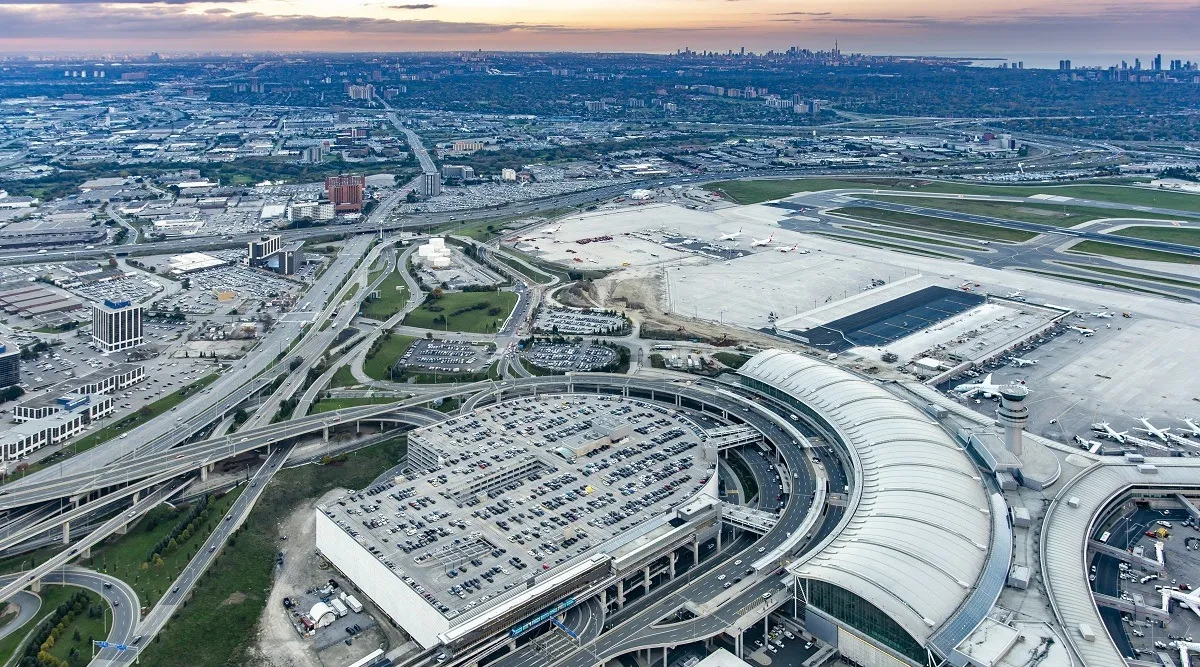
121 598
119 521
221 397
208 552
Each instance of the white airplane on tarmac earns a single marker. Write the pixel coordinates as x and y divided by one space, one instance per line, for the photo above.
984 387
551 231
758 243
794 248
1022 363
1107 431
1193 427
1160 433
1086 332
1013 295
730 237
1104 314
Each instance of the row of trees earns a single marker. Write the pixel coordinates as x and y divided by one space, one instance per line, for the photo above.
37 651
183 530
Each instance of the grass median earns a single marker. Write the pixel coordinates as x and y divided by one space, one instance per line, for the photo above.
88 626
1133 274
928 223
225 606
470 312
393 295
909 237
884 245
1181 235
384 353
1128 252
756 191
131 558
1058 215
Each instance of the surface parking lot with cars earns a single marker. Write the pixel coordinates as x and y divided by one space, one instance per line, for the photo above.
445 356
571 357
572 323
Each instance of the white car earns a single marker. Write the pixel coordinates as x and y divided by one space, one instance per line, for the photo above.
721 578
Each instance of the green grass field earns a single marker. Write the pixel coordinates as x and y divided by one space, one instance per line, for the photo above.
1126 252
753 192
1181 235
472 321
124 555
1133 274
928 223
1101 282
343 377
88 627
327 404
385 357
393 295
52 596
1042 214
872 243
227 602
909 237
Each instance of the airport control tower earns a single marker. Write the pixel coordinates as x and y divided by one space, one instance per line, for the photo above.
1012 415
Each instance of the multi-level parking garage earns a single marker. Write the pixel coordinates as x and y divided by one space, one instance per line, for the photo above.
891 543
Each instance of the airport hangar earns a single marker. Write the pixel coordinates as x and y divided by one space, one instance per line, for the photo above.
912 569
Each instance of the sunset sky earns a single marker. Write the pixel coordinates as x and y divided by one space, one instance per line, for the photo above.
1088 31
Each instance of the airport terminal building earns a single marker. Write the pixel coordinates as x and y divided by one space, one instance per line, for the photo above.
923 550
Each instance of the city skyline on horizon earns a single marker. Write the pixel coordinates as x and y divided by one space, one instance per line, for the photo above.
989 29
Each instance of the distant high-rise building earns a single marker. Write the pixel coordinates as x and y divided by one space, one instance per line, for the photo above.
116 325
366 92
1158 63
10 364
345 192
431 184
507 174
258 251
1064 65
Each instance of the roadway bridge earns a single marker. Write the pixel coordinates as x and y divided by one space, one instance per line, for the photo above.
748 518
726 437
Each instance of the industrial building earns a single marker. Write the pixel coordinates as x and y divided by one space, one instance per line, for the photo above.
116 325
431 184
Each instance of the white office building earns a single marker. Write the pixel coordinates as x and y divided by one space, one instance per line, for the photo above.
116 325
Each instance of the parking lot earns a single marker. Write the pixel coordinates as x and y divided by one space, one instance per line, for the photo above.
571 357
523 486
445 356
581 323
223 288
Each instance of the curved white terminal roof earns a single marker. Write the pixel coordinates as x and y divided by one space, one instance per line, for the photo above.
1072 517
917 535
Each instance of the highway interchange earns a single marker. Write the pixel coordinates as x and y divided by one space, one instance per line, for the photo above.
159 451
